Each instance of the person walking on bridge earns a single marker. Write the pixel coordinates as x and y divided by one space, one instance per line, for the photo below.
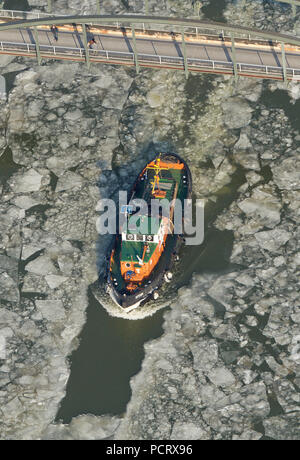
91 42
54 30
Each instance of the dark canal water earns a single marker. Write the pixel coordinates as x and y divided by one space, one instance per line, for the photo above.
110 352
19 5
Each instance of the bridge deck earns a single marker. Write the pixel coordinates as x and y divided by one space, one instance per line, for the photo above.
163 49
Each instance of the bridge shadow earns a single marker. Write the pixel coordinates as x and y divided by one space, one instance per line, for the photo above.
176 44
48 38
89 35
31 37
21 31
226 52
77 35
127 41
260 58
274 53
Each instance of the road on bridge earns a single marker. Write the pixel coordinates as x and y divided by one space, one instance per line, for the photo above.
166 45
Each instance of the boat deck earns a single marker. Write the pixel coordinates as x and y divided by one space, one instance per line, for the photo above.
174 185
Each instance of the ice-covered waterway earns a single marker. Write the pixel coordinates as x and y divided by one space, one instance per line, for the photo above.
225 362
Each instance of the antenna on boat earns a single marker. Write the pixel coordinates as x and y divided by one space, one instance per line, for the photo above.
156 166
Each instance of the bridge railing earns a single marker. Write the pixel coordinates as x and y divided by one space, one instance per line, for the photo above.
151 24
16 14
151 59
192 31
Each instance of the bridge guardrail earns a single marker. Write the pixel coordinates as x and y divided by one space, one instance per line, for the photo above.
154 24
17 14
110 56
